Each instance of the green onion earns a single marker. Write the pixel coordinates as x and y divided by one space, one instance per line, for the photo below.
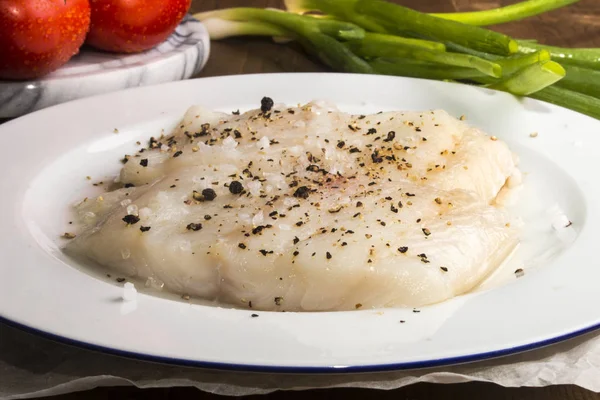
383 17
513 12
317 35
371 47
512 64
380 40
334 54
575 101
421 69
342 9
531 79
588 58
298 24
220 29
401 20
400 41
583 80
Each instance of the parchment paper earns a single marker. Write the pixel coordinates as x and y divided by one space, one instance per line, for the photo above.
32 366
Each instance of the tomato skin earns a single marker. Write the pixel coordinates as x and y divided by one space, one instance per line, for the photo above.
131 26
39 36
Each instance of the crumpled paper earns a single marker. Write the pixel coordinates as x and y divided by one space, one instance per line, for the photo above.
32 366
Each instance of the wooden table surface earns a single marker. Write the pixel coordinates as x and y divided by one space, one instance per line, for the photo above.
577 25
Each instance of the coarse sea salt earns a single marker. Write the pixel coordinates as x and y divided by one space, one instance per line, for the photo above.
264 143
254 187
230 143
258 218
132 209
154 283
129 292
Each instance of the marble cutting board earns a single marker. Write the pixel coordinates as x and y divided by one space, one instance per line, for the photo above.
92 72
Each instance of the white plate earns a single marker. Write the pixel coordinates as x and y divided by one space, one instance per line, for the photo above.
50 152
93 72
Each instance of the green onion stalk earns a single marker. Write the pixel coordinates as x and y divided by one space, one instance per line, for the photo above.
580 102
375 15
513 12
373 36
317 35
588 58
531 79
422 69
372 46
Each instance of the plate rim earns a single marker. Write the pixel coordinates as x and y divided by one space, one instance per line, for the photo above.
290 369
260 368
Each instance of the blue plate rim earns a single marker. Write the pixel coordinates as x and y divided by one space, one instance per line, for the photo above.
233 367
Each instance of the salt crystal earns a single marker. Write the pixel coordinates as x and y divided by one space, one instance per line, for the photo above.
295 150
129 292
264 143
254 187
125 253
132 209
245 218
289 201
125 203
89 217
154 283
230 143
258 218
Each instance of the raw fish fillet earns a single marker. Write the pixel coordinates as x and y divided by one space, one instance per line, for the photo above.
329 211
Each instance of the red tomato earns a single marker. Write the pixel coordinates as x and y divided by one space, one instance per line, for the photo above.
131 26
39 36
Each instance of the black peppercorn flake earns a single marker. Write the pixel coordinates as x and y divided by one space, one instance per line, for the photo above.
376 157
236 187
131 219
302 192
209 194
390 136
266 104
193 227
